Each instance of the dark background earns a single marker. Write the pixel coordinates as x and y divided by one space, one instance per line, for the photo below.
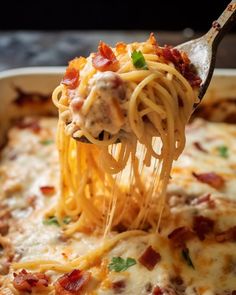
50 33
109 15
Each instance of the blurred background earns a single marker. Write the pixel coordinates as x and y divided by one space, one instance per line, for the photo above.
46 33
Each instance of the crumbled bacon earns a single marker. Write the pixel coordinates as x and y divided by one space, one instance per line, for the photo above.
72 283
181 63
71 78
105 59
118 286
203 226
5 216
157 291
149 258
199 147
211 179
227 236
121 47
4 227
25 281
47 190
180 235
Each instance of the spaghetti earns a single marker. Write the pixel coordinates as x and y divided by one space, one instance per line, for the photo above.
132 104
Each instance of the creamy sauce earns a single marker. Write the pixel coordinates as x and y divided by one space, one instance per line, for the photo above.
104 108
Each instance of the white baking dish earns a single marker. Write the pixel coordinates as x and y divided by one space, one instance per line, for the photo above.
42 80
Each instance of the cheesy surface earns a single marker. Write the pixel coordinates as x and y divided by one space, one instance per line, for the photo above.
202 188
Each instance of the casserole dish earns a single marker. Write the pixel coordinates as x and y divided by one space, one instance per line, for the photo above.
27 92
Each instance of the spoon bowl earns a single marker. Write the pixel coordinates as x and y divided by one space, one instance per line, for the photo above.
202 51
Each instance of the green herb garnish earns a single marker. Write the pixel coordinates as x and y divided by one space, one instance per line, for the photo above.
223 151
138 60
187 258
51 221
46 141
67 219
120 264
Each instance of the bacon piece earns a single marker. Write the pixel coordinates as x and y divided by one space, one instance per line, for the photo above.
149 258
47 190
105 59
157 291
118 286
181 63
180 235
165 291
227 236
203 226
71 78
25 281
72 283
4 227
211 179
199 147
121 47
5 216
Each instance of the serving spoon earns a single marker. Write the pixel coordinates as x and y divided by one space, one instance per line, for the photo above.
202 51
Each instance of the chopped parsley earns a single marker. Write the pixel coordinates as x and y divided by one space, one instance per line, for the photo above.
46 141
223 151
51 221
138 60
120 264
187 258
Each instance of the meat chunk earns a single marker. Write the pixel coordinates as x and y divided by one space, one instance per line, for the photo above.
180 235
203 226
211 179
72 283
25 281
149 258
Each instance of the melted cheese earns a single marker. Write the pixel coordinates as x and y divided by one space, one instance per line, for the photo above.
27 164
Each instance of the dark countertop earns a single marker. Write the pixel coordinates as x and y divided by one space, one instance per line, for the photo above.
23 49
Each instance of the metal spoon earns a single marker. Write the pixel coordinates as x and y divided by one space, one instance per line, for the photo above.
202 51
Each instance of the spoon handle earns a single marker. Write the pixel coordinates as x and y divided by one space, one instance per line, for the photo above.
222 25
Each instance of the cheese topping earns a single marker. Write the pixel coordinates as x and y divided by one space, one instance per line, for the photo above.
195 249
